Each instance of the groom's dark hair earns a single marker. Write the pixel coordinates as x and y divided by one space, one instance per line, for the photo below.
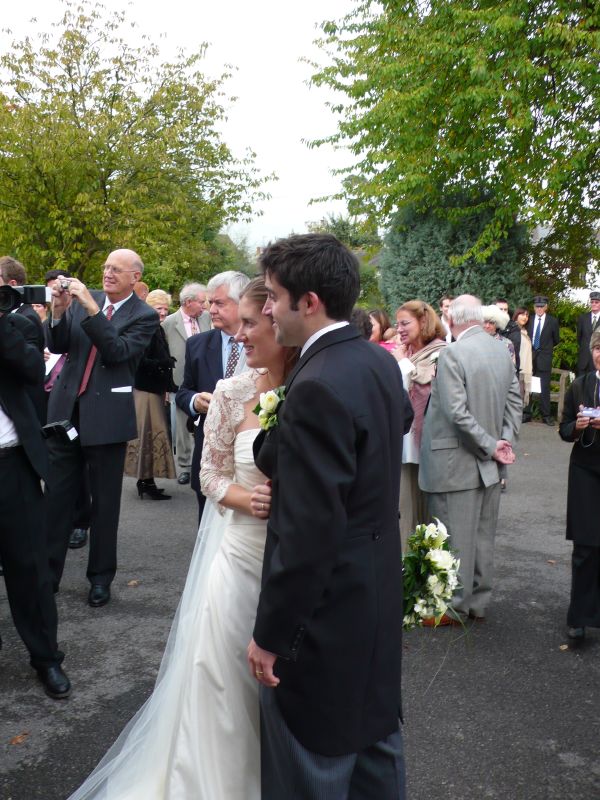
319 263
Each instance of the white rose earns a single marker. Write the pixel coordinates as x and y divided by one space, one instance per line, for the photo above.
435 585
269 401
430 531
442 559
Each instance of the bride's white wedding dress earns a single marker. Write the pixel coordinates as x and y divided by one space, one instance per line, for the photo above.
197 737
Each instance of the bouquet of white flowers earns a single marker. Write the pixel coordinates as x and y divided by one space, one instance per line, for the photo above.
430 575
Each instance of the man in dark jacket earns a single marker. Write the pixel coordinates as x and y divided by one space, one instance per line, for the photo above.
544 333
23 465
329 621
104 335
586 324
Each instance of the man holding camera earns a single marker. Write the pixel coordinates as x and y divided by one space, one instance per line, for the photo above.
13 273
23 464
104 335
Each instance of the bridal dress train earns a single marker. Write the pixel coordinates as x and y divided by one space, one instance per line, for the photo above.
197 736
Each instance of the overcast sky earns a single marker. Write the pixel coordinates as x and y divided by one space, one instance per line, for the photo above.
275 110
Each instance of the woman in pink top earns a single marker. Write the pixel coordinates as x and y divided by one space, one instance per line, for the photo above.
383 332
422 336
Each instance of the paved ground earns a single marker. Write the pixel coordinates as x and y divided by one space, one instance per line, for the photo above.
500 710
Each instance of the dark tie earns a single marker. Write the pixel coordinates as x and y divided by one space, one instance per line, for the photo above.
537 334
234 356
594 321
89 364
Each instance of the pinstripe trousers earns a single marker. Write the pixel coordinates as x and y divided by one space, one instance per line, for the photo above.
289 770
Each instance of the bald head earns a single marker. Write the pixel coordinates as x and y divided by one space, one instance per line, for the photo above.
122 269
128 256
464 312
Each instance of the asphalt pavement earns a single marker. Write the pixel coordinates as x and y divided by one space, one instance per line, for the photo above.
503 709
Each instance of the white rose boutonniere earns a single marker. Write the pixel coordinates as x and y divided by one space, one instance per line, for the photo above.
266 410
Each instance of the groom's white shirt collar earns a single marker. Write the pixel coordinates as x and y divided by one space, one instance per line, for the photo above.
312 339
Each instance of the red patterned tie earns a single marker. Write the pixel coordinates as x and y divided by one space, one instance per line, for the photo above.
193 326
91 358
233 359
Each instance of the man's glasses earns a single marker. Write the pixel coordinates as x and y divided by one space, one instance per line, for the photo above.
108 269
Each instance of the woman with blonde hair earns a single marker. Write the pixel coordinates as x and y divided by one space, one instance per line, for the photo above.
422 336
494 321
150 456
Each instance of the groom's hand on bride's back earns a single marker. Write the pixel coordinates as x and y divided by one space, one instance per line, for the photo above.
260 664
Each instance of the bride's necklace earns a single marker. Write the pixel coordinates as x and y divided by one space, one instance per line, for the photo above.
270 383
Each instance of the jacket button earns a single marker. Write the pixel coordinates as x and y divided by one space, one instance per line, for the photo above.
376 536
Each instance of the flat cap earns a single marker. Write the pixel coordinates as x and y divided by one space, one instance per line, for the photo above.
595 295
540 300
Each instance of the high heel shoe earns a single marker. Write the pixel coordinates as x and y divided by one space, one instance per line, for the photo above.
151 489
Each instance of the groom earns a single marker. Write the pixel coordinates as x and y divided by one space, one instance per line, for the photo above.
327 639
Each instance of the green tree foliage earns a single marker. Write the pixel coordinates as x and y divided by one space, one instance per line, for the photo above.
488 99
104 146
417 260
361 236
565 353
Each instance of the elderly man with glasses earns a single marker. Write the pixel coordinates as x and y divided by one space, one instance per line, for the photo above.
104 334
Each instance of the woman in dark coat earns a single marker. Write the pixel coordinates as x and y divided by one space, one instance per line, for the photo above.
150 455
583 521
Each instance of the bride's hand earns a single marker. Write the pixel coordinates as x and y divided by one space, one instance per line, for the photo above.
260 501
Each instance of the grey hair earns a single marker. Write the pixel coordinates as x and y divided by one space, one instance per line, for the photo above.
189 291
496 315
465 309
235 281
595 339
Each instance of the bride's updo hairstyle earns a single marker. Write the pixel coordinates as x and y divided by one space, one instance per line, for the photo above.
256 292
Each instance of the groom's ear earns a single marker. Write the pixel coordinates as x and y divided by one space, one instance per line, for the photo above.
313 303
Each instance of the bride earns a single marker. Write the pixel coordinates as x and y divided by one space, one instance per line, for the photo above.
198 734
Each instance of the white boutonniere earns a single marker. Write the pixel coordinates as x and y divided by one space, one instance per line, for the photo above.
434 357
266 410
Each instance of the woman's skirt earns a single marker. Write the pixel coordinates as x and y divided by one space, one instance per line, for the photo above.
151 454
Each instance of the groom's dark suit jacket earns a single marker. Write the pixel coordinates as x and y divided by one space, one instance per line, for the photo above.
331 601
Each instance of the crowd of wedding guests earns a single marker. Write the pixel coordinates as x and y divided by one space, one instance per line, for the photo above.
122 385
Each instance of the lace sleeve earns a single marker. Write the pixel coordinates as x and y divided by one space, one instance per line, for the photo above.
225 412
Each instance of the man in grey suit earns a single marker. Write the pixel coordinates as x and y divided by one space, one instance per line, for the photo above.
473 418
191 318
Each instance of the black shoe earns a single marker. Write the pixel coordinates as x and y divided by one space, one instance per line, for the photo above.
549 421
576 633
183 478
78 538
526 418
151 489
99 595
56 683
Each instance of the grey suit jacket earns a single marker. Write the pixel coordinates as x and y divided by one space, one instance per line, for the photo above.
176 334
475 401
